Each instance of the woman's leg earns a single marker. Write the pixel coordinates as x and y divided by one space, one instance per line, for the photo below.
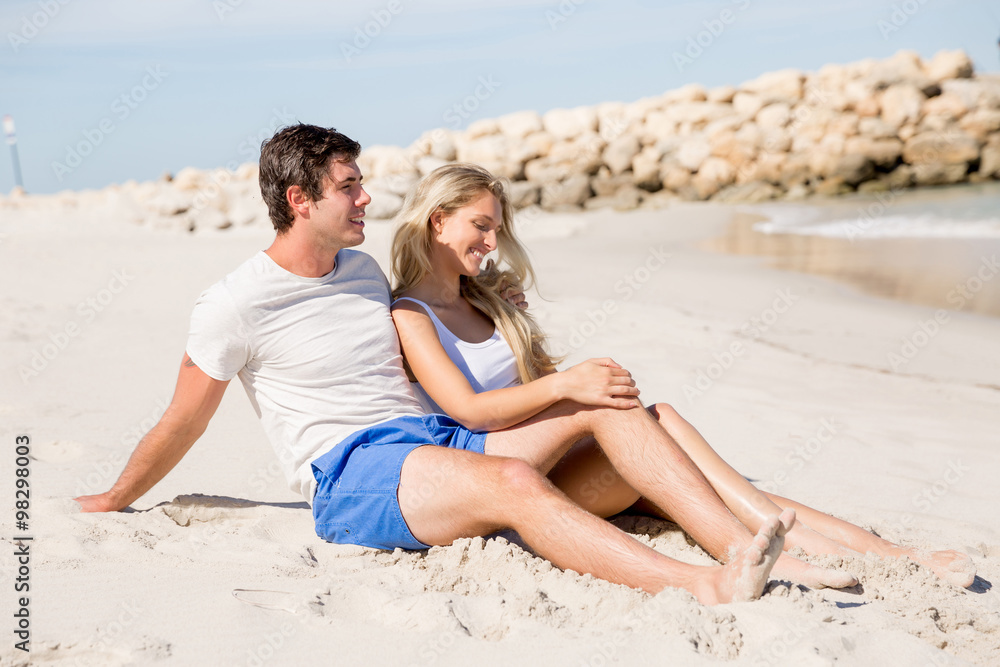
952 566
815 532
747 502
587 477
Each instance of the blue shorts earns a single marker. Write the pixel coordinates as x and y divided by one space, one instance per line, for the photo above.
357 481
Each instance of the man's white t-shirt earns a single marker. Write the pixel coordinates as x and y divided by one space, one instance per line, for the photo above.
318 357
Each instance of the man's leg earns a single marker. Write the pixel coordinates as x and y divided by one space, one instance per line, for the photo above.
642 452
445 494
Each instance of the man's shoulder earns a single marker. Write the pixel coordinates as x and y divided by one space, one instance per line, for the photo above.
357 259
233 284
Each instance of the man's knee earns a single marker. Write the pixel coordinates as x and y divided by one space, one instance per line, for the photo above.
518 478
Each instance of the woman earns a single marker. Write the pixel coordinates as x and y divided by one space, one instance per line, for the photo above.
480 360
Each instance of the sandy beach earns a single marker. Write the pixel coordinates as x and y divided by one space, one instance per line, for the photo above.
219 564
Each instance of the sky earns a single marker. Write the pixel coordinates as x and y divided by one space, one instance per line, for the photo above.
103 91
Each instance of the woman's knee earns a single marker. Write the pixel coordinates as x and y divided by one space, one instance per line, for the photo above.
665 414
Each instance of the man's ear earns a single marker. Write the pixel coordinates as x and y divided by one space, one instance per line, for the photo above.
297 200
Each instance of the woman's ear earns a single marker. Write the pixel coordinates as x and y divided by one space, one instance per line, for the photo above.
437 220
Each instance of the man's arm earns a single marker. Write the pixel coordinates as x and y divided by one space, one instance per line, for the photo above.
195 400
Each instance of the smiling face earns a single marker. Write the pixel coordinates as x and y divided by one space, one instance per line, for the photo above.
336 220
462 238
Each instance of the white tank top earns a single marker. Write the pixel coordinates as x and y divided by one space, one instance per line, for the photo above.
487 366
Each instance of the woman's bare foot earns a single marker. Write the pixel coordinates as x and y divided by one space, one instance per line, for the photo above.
954 567
745 576
813 576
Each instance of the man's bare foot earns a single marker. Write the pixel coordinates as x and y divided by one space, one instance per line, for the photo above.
745 576
954 567
800 572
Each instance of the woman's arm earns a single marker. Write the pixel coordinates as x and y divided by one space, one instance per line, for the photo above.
593 382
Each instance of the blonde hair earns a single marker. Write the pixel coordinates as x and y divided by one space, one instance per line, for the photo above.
449 188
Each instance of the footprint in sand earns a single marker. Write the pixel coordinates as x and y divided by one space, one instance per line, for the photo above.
57 451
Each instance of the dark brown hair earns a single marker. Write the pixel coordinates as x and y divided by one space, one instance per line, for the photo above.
299 155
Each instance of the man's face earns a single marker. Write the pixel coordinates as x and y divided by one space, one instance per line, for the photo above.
336 220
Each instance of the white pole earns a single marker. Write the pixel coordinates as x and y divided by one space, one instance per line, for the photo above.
8 129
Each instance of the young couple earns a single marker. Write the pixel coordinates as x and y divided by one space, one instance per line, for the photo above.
307 327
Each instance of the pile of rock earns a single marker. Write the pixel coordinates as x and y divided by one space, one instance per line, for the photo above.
866 126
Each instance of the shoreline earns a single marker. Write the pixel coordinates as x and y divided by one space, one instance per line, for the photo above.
954 274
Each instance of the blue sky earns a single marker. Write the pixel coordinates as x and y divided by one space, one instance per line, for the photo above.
154 86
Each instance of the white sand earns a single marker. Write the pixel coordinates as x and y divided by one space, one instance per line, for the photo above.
157 584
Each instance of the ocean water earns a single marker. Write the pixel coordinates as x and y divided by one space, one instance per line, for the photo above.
938 247
961 212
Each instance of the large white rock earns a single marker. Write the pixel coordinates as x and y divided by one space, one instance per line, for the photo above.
981 123
774 116
692 152
520 124
190 178
384 205
698 112
439 143
747 104
949 105
646 168
902 103
949 65
486 148
781 86
482 128
568 123
619 153
689 92
941 148
572 192
722 94
883 152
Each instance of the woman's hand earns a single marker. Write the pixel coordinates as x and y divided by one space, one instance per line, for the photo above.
600 382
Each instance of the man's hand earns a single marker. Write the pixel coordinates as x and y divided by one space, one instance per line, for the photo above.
101 502
514 296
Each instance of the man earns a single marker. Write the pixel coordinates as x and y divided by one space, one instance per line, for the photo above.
306 326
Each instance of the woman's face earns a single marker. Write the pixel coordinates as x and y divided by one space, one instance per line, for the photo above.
463 238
